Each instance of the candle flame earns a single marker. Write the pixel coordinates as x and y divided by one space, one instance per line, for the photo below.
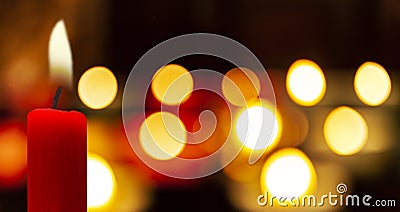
60 57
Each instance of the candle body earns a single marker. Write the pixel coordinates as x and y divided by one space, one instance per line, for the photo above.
57 158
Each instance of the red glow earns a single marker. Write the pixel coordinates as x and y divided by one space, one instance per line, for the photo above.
12 155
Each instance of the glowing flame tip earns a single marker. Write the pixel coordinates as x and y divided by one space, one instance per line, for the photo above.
60 57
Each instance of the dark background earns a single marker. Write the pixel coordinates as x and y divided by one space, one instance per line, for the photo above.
339 34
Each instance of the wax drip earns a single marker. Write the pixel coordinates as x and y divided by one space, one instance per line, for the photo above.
56 97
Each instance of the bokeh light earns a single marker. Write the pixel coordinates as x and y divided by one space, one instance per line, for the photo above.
259 127
100 181
288 173
372 84
97 87
12 155
345 131
305 83
17 84
162 135
240 85
172 84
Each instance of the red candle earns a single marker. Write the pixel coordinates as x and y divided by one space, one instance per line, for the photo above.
57 158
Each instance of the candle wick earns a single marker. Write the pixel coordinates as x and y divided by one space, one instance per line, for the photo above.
56 97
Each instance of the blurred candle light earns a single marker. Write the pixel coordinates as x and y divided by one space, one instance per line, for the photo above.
162 135
305 83
97 87
172 84
151 154
288 173
240 85
12 155
100 182
345 131
259 126
19 82
372 84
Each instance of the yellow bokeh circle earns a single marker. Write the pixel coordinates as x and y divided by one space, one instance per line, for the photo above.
101 183
240 85
97 87
258 126
372 84
345 131
172 84
288 173
305 83
162 136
